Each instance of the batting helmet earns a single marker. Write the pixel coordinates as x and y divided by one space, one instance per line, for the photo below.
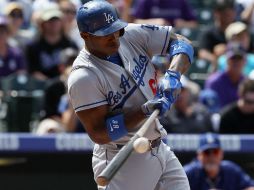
99 18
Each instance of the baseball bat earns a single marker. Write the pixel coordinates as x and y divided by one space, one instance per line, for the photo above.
109 172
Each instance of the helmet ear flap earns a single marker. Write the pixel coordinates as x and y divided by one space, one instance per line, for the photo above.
122 31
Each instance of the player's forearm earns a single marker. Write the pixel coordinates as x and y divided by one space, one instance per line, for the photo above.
180 63
133 118
95 122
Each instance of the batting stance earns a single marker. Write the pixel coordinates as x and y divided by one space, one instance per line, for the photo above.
113 89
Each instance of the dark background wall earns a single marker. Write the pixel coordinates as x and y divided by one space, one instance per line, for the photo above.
62 171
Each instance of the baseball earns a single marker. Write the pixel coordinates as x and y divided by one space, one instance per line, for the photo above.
141 145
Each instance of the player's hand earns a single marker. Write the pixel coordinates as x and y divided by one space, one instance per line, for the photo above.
170 86
162 104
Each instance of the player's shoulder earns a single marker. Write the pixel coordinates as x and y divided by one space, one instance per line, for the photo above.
229 166
82 72
194 166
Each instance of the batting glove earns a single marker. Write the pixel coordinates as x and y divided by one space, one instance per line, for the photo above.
170 86
162 104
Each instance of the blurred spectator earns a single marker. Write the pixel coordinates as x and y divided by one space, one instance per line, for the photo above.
43 54
210 100
18 37
124 8
238 118
210 171
177 13
69 22
186 115
247 14
56 103
50 125
212 41
238 32
11 58
225 83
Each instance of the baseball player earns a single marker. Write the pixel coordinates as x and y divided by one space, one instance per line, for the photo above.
113 89
210 171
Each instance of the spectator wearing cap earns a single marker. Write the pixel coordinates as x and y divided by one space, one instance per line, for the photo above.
43 54
210 171
226 83
212 40
238 32
177 13
68 9
186 115
18 37
56 104
238 117
11 58
247 14
210 99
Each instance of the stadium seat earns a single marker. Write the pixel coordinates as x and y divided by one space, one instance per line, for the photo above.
23 95
204 16
199 71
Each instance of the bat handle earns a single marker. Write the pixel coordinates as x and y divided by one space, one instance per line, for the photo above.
102 181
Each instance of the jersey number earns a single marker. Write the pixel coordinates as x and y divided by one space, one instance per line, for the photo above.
148 26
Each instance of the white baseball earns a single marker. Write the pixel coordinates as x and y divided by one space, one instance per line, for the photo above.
141 145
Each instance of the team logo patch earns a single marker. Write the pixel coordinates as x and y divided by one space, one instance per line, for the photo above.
109 18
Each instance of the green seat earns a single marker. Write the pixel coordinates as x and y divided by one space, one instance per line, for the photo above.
199 71
23 95
204 16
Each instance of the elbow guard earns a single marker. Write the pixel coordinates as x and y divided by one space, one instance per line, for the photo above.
179 47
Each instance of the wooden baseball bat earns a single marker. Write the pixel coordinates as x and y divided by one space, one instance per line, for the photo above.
109 172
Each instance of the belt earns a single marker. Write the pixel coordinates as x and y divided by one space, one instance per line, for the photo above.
153 144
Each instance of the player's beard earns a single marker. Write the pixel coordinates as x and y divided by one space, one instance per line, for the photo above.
212 169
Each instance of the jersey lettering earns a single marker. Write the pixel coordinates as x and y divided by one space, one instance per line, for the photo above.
149 26
138 71
114 97
109 18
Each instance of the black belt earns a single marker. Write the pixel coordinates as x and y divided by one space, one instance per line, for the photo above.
153 144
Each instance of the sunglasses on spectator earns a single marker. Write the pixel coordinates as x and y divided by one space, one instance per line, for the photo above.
16 14
69 11
212 151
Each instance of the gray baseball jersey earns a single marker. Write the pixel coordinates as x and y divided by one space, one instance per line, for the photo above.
100 82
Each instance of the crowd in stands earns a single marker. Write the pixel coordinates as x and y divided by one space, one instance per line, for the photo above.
39 40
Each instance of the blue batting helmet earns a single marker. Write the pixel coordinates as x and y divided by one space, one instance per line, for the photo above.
99 18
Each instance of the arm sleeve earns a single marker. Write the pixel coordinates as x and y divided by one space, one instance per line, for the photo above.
85 90
152 38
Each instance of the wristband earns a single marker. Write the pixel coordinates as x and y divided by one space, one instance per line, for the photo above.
180 46
116 127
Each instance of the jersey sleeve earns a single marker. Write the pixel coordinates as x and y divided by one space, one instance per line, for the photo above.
85 90
152 38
